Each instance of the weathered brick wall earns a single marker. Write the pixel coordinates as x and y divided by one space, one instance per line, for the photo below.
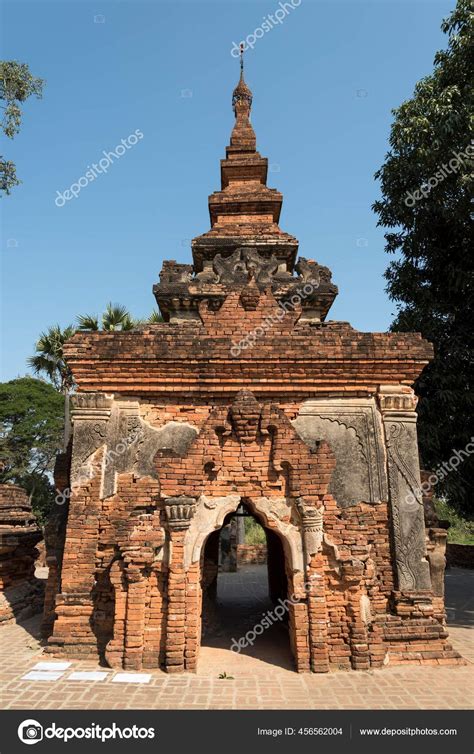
54 538
21 594
239 399
196 359
248 554
133 574
132 594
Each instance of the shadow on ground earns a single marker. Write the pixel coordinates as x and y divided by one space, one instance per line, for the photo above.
242 602
459 597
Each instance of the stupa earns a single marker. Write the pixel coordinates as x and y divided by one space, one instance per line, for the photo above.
246 397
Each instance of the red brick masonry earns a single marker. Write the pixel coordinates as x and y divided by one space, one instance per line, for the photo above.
247 554
21 594
245 396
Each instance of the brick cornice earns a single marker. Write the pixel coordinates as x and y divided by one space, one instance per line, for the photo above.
184 359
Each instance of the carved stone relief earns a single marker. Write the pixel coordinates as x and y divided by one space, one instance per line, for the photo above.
397 405
352 427
312 524
90 415
132 444
406 503
211 512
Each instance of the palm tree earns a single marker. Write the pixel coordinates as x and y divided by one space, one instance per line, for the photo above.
115 317
88 322
154 318
49 358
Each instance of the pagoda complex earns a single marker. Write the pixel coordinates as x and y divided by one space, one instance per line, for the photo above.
245 397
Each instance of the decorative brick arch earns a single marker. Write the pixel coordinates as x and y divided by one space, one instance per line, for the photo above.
245 450
274 514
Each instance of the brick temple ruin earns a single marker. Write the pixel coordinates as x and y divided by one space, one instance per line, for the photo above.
21 593
248 398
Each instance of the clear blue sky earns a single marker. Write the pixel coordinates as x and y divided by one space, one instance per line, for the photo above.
324 82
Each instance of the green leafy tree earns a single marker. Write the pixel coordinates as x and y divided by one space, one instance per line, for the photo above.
16 85
254 533
426 183
49 358
31 434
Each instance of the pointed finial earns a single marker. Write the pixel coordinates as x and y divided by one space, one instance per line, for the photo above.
241 92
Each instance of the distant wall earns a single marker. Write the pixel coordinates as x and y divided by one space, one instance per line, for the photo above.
251 554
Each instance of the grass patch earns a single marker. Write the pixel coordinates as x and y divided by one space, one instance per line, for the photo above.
461 530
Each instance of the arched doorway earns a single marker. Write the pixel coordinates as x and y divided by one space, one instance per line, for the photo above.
244 589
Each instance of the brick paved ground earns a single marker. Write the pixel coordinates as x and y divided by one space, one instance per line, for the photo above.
263 678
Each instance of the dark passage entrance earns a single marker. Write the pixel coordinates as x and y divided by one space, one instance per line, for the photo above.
243 579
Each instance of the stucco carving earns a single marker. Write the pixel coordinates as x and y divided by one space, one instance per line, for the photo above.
243 261
397 405
279 514
406 503
132 444
437 559
365 610
180 512
90 415
352 427
244 415
312 525
209 516
275 512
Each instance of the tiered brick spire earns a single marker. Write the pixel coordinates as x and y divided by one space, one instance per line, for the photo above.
243 136
245 211
244 239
